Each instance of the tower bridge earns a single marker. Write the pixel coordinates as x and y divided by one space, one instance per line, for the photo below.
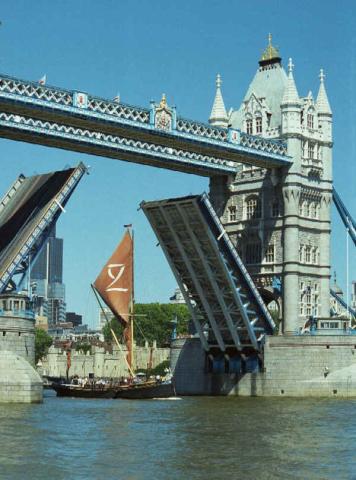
80 122
266 223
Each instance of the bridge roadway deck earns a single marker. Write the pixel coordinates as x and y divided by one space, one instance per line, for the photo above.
50 116
27 214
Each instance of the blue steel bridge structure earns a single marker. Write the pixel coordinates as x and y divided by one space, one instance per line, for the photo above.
217 287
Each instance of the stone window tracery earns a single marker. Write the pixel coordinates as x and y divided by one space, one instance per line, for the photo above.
232 214
313 210
249 128
307 253
310 120
258 125
270 256
309 209
311 150
253 207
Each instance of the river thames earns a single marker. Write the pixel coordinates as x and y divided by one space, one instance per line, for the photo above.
190 438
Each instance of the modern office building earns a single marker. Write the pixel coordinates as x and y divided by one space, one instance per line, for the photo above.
74 318
47 287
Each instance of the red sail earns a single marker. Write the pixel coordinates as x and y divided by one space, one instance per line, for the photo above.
114 283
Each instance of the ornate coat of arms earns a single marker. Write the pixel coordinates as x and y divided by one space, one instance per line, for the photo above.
163 115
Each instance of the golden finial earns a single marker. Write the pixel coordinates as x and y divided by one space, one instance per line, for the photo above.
270 52
163 102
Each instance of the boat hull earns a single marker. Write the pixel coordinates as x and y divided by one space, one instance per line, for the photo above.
83 392
157 390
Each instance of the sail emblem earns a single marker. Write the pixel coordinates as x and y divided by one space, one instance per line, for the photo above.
115 277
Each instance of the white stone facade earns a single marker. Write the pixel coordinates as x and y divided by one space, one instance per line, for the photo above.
100 362
279 220
19 382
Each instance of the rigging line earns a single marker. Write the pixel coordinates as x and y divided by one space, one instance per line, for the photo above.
139 327
112 331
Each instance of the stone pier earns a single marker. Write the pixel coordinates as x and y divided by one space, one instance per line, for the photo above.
19 381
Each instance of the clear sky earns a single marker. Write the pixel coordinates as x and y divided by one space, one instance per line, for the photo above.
142 49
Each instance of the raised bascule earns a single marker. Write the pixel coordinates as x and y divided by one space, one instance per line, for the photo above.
28 212
261 236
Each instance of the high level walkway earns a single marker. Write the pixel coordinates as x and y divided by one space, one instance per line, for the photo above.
76 121
28 211
225 305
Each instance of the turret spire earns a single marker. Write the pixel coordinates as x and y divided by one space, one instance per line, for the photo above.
218 114
322 102
290 93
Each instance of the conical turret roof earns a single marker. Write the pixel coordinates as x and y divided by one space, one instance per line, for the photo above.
218 114
322 102
290 95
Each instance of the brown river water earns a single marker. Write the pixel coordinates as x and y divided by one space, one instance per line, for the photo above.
190 438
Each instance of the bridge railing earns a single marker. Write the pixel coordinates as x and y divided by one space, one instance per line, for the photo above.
82 101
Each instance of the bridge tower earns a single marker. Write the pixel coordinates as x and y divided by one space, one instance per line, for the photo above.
279 219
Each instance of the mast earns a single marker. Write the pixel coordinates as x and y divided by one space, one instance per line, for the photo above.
111 330
114 284
132 305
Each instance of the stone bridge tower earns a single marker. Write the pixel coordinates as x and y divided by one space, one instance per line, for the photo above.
279 219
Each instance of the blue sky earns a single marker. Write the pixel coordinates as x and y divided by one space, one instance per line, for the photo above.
142 49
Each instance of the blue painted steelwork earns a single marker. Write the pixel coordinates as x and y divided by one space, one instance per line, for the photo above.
196 146
226 306
35 234
238 265
342 302
345 215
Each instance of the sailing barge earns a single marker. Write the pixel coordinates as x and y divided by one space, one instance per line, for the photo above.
115 286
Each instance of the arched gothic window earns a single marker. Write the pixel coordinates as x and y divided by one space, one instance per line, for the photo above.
249 126
258 125
311 150
307 253
313 210
310 119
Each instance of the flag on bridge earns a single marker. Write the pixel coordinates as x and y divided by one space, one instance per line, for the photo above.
43 80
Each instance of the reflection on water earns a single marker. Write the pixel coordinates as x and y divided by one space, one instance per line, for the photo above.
195 438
